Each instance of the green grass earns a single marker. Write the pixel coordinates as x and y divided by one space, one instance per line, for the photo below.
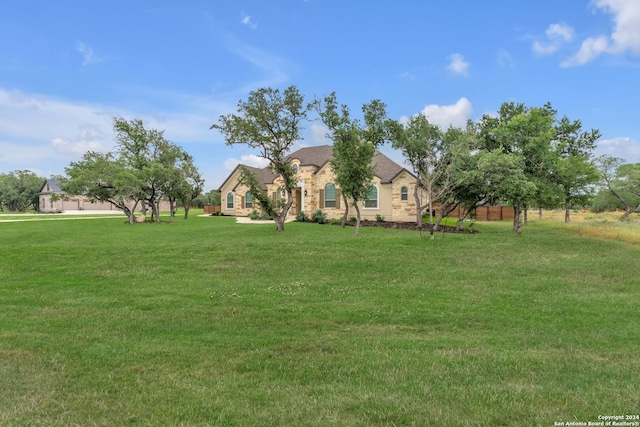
207 322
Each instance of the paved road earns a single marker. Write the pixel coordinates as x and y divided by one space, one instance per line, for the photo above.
58 217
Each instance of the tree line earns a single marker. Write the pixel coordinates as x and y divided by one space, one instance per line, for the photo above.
521 156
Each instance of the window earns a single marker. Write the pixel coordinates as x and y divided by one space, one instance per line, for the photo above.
404 193
329 196
230 198
248 201
296 168
372 198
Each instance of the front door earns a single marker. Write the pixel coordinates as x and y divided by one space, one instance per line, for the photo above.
297 201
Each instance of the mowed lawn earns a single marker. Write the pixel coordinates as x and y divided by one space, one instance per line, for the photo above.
209 322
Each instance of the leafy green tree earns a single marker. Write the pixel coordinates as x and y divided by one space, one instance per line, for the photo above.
622 181
152 157
525 133
354 147
573 172
210 198
144 169
19 190
421 145
191 184
104 178
269 121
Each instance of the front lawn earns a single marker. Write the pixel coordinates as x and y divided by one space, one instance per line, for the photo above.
209 322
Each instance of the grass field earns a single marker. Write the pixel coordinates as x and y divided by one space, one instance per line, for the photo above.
208 322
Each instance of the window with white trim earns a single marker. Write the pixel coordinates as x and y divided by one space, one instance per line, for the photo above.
330 195
230 200
248 200
404 194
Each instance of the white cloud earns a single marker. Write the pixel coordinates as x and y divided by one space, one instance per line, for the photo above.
557 36
458 66
41 132
407 75
248 160
591 48
625 148
319 133
89 56
272 66
562 32
246 20
626 18
455 115
89 138
625 36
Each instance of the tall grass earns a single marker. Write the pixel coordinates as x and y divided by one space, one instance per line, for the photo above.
208 322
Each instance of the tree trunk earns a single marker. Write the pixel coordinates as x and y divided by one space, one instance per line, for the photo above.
156 209
186 211
540 213
416 196
567 211
171 210
346 210
282 216
517 217
431 235
357 218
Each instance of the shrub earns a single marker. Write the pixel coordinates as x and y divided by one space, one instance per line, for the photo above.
302 217
353 219
335 221
379 218
254 215
319 217
264 216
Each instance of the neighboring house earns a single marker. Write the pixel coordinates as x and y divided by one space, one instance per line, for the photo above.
67 202
391 195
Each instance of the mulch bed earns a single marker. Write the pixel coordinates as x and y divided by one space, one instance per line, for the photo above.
411 226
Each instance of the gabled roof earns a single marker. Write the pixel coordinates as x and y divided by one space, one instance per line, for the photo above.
54 186
264 175
313 156
386 169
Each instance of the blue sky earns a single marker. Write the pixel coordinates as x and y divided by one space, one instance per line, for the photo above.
68 67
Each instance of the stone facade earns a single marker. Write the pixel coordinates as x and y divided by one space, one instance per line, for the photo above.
314 173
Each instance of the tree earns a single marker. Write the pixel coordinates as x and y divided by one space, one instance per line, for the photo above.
19 190
525 133
191 184
270 122
622 181
151 156
354 147
104 178
573 171
435 158
145 168
419 141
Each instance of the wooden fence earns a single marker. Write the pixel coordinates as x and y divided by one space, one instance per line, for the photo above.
494 213
208 209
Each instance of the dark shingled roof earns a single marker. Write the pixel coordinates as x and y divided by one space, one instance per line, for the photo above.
313 156
265 176
54 185
318 156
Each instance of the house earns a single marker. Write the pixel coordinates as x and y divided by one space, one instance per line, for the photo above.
65 202
391 196
76 202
